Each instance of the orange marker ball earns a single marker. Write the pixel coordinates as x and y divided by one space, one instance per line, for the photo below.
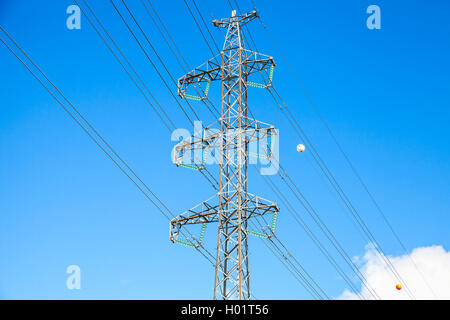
398 286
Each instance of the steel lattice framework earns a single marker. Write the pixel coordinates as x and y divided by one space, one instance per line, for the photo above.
233 205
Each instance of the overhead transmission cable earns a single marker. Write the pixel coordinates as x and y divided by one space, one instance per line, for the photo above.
344 198
179 57
301 275
346 157
341 194
154 51
172 125
151 62
97 138
287 255
206 26
203 172
198 26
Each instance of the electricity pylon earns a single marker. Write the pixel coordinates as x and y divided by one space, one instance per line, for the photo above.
232 206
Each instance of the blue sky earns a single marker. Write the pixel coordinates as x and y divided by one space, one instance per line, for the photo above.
385 94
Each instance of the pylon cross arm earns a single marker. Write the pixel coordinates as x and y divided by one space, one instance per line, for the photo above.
211 70
209 210
241 19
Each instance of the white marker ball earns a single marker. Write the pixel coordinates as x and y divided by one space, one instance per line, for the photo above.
300 148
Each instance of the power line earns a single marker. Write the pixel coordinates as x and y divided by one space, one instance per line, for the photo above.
151 61
125 69
206 26
198 26
349 162
304 274
128 73
341 194
283 259
156 53
117 160
168 33
184 68
297 217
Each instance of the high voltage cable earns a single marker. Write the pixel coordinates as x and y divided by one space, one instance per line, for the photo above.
329 235
347 159
151 61
290 266
358 219
154 51
206 26
168 33
209 9
89 125
308 278
321 225
156 201
343 196
297 217
198 26
291 209
162 34
184 68
300 265
125 69
327 173
309 232
128 73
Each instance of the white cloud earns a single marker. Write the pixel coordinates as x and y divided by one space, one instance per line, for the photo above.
433 263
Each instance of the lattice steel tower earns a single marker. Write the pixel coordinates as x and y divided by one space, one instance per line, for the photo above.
232 139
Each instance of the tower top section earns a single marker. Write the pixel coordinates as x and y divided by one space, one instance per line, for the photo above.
235 19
